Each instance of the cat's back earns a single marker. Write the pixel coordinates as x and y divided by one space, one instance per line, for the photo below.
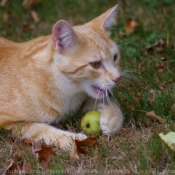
5 43
8 49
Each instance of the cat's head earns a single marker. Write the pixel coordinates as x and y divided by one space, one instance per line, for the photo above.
87 55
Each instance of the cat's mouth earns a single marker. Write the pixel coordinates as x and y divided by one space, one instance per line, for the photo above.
99 91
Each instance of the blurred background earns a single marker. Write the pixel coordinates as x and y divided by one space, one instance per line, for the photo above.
22 20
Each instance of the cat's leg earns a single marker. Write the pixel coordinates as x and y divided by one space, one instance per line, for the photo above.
49 134
111 119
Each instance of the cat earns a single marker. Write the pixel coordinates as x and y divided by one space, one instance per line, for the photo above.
42 80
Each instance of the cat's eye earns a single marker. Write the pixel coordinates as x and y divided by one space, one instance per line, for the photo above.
95 64
115 58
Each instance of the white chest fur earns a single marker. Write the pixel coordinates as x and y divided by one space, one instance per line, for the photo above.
73 103
70 95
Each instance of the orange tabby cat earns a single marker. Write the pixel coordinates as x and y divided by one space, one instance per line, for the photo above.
44 79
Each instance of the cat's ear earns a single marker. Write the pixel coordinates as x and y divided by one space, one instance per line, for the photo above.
107 19
64 36
110 19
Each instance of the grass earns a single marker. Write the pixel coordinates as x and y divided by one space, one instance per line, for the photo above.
137 149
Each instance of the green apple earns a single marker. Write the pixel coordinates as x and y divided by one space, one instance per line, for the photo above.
90 123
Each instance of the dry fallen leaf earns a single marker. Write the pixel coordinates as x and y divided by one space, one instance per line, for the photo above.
168 40
136 100
18 168
152 115
131 25
158 46
35 16
28 3
7 17
160 66
160 43
83 146
173 107
18 155
10 164
5 3
45 154
131 107
27 142
122 34
27 27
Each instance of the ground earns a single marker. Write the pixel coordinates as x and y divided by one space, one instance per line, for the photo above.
148 58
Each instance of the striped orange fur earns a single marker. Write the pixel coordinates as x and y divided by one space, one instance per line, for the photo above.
44 79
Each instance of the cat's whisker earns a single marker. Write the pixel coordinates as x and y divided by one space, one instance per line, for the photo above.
132 77
109 101
97 97
96 100
103 101
107 96
103 97
110 90
121 44
130 70
134 71
127 80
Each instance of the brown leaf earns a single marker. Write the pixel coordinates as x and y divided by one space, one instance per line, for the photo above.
136 100
163 59
28 3
152 115
10 164
160 66
158 46
130 106
83 146
18 168
160 43
141 66
45 155
35 16
131 25
18 155
173 107
167 40
122 34
27 27
27 142
5 3
6 17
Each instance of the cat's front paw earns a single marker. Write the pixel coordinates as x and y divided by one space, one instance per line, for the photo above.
67 140
111 119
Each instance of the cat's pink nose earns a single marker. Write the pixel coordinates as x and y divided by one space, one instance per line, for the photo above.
117 79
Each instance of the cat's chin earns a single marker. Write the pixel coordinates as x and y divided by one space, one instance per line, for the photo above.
98 93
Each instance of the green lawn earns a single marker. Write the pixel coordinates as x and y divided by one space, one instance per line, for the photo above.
150 68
